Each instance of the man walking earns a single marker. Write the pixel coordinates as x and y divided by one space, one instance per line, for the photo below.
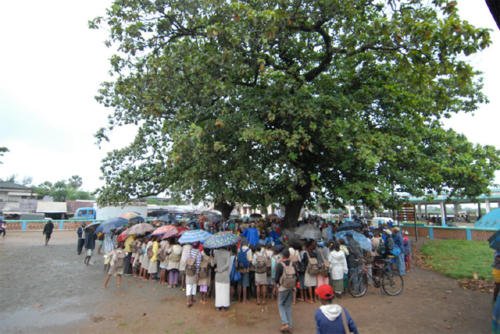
285 279
81 239
47 230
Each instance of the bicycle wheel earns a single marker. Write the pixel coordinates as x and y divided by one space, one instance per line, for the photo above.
392 283
358 285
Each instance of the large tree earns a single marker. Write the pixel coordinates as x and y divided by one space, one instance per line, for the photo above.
292 101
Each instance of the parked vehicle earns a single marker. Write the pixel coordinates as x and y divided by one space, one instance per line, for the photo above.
85 213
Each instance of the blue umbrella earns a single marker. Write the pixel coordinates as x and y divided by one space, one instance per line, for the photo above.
111 224
191 236
221 239
363 241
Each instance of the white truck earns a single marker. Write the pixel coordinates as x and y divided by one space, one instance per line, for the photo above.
107 212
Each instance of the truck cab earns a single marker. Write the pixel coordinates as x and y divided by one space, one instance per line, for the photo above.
85 213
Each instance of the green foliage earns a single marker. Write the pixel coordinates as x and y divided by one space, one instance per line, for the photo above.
3 150
460 258
292 102
64 190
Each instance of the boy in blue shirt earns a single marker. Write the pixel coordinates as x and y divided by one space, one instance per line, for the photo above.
332 318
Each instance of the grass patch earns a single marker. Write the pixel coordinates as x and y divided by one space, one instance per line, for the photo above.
459 258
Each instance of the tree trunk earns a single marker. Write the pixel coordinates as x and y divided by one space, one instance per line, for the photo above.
292 212
225 208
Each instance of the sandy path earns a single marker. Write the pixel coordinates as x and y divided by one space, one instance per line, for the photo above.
49 290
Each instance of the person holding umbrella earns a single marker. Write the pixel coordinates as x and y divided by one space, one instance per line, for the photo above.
47 230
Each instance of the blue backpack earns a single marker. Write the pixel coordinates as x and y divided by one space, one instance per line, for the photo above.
243 262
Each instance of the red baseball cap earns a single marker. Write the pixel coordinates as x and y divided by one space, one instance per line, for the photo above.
325 291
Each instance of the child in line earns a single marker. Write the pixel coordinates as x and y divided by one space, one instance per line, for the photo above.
117 265
192 269
204 274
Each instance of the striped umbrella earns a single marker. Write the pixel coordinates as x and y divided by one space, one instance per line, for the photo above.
221 239
194 236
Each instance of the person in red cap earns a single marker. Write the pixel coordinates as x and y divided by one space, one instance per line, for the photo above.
332 318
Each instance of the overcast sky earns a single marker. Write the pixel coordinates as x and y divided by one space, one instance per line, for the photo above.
51 65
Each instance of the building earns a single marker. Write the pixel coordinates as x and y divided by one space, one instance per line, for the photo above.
13 192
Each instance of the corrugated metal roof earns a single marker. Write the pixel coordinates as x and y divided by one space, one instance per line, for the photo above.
12 185
51 207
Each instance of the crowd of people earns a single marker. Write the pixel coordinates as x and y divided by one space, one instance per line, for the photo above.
262 266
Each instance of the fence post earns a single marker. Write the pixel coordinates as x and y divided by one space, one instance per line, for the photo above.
61 224
469 235
431 233
24 226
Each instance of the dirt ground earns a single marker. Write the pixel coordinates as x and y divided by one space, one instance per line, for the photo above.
50 290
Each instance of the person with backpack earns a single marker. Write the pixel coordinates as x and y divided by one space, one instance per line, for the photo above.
311 265
174 258
192 270
285 280
204 274
243 260
163 259
261 262
332 318
324 271
186 250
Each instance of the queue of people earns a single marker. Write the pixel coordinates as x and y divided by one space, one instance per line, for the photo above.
249 270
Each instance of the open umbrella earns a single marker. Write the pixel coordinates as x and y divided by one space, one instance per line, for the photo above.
363 241
194 236
111 224
289 237
93 225
122 237
130 215
221 239
140 229
169 230
308 231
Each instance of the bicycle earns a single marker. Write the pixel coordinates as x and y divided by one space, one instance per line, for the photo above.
383 276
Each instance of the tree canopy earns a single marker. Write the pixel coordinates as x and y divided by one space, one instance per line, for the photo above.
3 150
292 102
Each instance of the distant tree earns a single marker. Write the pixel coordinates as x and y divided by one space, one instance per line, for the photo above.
3 150
63 190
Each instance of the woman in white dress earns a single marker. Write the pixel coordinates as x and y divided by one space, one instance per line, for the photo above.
222 283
